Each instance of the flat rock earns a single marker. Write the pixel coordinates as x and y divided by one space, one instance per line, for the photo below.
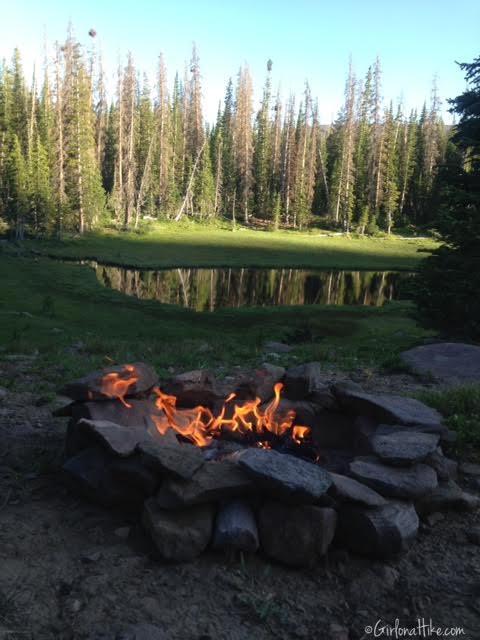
170 456
448 496
133 473
446 468
453 363
302 380
117 438
89 474
142 631
285 476
389 408
214 481
296 535
408 482
193 388
470 469
138 416
276 347
179 535
236 527
258 383
90 386
473 535
350 490
382 531
404 448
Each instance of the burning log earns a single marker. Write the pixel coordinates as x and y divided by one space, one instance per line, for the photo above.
236 528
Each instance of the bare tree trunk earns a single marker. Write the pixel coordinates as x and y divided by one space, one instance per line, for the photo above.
190 183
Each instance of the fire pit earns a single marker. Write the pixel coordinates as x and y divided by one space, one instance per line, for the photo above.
277 462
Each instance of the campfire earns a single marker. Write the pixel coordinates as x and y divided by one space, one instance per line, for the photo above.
273 460
262 427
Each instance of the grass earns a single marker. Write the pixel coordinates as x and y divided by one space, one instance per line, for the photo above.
194 245
75 324
461 410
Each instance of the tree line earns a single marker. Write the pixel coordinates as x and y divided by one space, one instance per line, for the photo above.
71 159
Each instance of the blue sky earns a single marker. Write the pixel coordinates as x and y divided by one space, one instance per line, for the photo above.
306 39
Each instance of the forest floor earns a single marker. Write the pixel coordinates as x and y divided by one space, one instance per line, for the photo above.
74 571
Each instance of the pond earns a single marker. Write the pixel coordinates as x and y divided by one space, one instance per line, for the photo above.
210 289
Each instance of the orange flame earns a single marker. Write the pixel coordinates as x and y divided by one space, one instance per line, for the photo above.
116 385
200 425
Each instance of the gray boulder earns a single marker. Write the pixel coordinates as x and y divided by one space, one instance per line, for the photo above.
382 531
389 408
404 448
408 482
284 476
296 536
179 535
453 363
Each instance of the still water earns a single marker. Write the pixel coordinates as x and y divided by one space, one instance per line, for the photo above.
210 289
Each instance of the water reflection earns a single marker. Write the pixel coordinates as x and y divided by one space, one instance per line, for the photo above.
210 289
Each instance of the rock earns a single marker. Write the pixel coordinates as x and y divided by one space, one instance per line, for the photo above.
389 408
296 535
346 386
445 468
473 535
283 475
330 430
306 413
435 429
132 472
323 398
61 406
381 531
193 388
118 439
302 380
122 532
450 362
434 518
338 632
404 448
277 347
138 416
259 384
215 480
348 489
411 482
91 557
90 387
363 429
235 527
389 576
171 456
447 496
88 473
142 631
470 469
179 535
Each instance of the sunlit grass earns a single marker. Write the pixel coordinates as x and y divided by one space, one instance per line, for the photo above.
194 245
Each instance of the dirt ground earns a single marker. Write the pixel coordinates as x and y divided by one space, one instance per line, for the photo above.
71 570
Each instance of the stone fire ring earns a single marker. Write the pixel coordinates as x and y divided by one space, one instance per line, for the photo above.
384 467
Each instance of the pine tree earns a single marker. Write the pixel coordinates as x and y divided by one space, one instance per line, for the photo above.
243 141
262 152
